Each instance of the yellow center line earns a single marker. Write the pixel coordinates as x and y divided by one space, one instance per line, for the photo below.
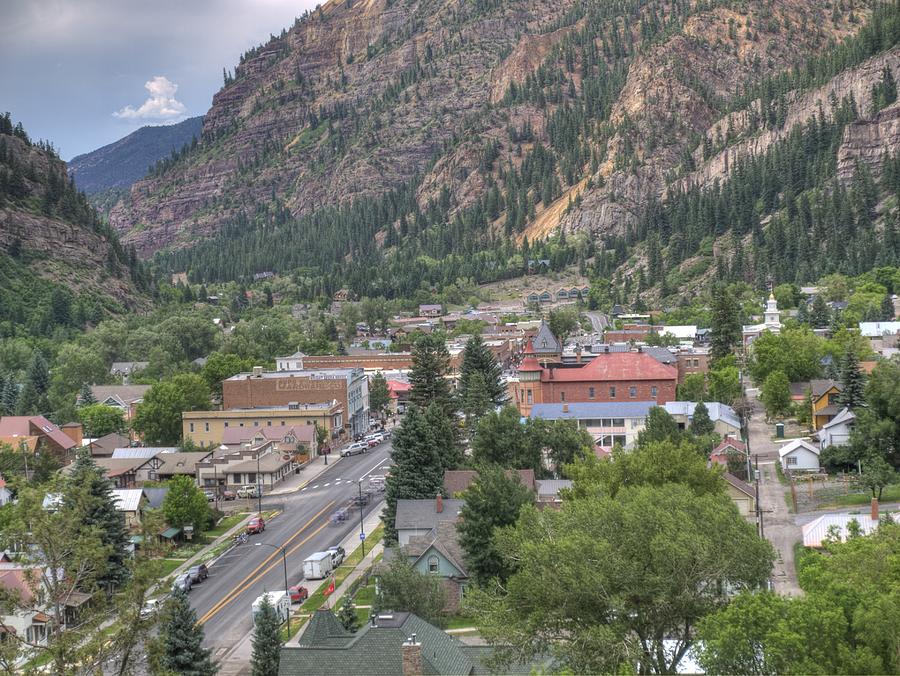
255 575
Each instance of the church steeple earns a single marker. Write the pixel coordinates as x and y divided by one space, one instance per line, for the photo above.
773 314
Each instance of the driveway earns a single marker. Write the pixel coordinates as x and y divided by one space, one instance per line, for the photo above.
779 526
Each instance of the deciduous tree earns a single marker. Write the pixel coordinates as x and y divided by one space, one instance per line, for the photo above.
158 417
185 504
379 396
100 420
402 588
776 394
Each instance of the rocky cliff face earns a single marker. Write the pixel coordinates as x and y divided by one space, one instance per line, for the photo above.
365 95
55 232
867 141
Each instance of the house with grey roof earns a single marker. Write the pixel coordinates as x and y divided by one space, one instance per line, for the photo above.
438 555
421 517
726 421
544 344
609 422
391 644
836 432
123 397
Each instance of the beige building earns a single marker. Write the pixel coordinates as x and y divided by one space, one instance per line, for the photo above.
262 466
207 428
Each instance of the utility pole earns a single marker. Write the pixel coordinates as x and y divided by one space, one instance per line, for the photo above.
362 532
258 485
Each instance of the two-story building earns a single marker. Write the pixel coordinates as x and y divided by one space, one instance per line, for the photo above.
287 387
609 423
614 376
825 395
208 428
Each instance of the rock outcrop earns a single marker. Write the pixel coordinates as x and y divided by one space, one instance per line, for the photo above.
867 141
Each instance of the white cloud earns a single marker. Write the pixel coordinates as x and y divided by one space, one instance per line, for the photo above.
160 105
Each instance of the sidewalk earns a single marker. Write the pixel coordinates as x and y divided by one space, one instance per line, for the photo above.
310 472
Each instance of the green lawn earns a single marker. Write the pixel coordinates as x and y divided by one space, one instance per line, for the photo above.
459 622
225 525
167 566
890 494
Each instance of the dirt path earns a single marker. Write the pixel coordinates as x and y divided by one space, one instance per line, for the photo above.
779 526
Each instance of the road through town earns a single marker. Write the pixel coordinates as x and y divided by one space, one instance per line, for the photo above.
303 527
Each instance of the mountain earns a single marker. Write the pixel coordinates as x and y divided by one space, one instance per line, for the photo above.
120 164
390 146
60 264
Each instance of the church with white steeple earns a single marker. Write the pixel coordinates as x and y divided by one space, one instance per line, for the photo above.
771 322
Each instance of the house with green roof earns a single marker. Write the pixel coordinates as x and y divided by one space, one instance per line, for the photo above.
391 644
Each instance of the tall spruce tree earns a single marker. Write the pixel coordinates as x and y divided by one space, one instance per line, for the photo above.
86 396
726 333
701 423
91 494
478 359
9 401
820 314
266 654
854 382
181 641
417 472
444 432
430 365
38 375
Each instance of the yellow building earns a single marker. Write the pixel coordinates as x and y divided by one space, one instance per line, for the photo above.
824 395
207 428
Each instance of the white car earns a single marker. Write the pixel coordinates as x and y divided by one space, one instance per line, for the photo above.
354 448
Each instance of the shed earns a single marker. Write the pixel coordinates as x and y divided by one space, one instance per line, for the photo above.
799 455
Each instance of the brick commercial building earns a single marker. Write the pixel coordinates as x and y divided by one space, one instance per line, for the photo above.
368 360
617 376
284 388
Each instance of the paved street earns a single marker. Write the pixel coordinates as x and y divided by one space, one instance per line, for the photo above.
779 526
240 575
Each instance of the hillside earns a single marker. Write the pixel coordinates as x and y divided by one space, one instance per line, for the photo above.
387 145
120 164
60 265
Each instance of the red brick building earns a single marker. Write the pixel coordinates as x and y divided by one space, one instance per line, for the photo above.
617 376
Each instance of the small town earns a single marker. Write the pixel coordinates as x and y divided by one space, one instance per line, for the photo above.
378 338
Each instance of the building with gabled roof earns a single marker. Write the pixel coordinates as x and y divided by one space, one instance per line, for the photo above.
608 422
123 397
836 432
49 437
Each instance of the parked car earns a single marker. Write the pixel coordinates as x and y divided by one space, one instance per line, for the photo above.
198 573
151 607
229 495
210 495
247 492
375 439
256 525
298 594
182 583
354 448
337 555
376 482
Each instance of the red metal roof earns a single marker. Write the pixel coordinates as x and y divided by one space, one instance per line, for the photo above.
35 425
614 367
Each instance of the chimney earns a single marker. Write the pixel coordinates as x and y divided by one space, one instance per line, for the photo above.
257 371
412 657
439 504
874 509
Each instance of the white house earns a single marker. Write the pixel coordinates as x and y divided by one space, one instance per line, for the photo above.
878 329
5 493
836 432
771 322
799 455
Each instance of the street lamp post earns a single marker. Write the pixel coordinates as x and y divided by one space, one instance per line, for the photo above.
284 562
258 485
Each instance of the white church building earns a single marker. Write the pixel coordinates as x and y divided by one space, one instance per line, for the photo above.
771 322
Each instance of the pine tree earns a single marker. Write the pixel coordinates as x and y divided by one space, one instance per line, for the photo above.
477 358
853 381
38 375
9 401
86 397
726 322
701 423
181 641
430 365
417 472
91 493
347 615
266 654
887 308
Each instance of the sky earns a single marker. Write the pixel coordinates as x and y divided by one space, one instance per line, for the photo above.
84 73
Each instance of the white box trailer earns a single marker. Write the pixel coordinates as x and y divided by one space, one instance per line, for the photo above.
318 566
280 601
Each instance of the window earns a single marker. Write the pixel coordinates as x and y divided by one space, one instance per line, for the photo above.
529 397
619 439
251 477
791 460
191 427
240 424
654 391
433 564
562 396
618 422
612 392
226 423
590 393
206 427
632 391
268 423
